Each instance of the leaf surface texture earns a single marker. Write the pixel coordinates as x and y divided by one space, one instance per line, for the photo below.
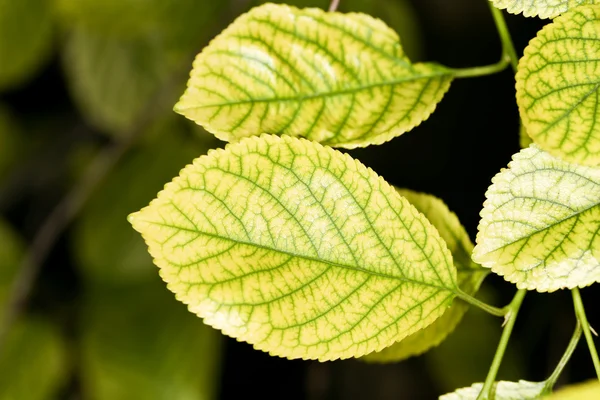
338 79
539 8
558 86
297 249
540 223
522 390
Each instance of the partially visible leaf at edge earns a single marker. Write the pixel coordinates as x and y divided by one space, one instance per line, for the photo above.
589 390
539 8
298 249
539 224
470 277
522 390
558 86
338 79
25 39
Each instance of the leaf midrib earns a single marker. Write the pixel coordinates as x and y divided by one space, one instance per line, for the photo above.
304 257
320 95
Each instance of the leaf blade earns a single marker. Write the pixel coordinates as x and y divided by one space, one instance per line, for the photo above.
522 390
296 234
539 8
348 86
558 91
470 277
539 222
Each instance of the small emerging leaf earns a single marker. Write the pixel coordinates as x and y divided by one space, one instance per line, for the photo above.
470 276
539 224
298 249
338 79
558 87
583 391
540 8
522 390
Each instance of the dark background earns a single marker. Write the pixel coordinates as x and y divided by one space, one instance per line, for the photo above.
453 155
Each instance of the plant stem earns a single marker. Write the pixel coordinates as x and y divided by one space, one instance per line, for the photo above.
511 317
498 312
580 313
508 48
333 5
474 72
551 381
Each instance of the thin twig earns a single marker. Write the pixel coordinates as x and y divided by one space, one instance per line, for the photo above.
334 5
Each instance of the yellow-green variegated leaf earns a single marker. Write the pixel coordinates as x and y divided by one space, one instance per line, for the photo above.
540 223
522 390
470 276
583 391
298 249
558 86
339 79
539 8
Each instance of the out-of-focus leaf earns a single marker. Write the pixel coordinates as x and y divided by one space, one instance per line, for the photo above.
11 252
139 343
119 54
33 362
470 277
105 246
583 391
25 39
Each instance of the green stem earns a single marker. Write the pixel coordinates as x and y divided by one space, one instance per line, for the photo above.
511 317
508 49
474 72
551 381
580 313
498 312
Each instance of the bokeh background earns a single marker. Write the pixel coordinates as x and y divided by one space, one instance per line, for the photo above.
87 135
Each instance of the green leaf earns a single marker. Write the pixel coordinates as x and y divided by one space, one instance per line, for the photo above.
105 247
114 76
470 276
33 362
25 39
339 79
539 224
522 390
558 87
138 343
589 390
298 249
524 139
540 8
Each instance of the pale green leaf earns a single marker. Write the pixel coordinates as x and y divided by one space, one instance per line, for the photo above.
105 247
33 362
539 8
25 39
539 224
522 390
339 79
138 343
589 390
298 249
470 276
558 86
